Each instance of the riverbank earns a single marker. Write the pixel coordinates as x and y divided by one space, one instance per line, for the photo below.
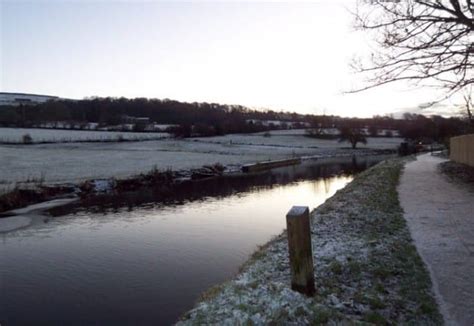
164 184
366 267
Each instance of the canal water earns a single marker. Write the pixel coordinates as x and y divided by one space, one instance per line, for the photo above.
147 264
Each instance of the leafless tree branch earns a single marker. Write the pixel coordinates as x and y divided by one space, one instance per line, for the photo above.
419 40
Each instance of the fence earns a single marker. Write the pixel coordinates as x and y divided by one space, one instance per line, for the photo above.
462 149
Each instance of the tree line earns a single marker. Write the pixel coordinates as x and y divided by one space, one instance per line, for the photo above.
209 119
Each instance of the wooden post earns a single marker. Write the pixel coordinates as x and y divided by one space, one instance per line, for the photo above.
299 247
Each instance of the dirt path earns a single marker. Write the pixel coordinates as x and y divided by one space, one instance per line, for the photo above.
440 216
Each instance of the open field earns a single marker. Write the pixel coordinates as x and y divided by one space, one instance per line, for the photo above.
296 138
75 162
15 135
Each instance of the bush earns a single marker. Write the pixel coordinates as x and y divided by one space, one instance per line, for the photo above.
181 131
27 139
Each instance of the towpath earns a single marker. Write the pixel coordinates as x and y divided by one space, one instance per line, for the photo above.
440 216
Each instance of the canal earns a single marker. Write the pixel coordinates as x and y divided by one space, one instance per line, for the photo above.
148 262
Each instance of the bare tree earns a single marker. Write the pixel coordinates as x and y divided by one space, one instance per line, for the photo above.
428 41
352 134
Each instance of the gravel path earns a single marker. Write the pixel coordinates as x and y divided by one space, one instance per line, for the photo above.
440 216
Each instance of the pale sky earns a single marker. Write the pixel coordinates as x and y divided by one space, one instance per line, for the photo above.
291 56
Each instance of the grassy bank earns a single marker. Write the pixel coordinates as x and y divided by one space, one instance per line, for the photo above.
366 267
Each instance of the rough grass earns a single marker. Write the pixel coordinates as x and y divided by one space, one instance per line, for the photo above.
459 173
367 269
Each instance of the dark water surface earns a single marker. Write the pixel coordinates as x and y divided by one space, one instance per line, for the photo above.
148 265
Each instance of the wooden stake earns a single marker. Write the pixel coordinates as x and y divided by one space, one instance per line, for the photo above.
299 247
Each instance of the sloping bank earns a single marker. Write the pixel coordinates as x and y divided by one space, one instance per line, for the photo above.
366 267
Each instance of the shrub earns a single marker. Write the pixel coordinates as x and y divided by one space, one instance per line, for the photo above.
27 139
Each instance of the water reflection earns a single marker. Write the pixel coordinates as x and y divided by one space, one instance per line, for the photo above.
222 187
148 265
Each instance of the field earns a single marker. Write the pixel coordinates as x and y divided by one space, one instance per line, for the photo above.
15 135
296 139
74 162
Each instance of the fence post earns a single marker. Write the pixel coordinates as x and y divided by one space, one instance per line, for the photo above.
299 247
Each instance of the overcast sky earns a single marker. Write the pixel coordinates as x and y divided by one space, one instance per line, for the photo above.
291 56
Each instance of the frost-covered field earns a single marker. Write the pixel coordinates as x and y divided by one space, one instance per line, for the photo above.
15 135
296 138
74 162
